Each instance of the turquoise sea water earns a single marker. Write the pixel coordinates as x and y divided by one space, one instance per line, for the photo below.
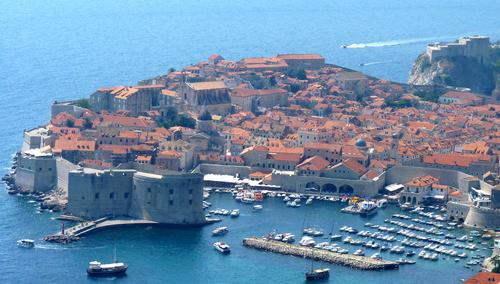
56 50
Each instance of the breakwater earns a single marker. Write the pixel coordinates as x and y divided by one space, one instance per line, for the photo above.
353 261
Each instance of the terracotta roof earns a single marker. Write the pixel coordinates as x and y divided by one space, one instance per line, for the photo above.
484 278
212 85
73 145
286 157
422 181
314 163
300 56
354 166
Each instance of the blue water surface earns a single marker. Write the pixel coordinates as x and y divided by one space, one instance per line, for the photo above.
58 50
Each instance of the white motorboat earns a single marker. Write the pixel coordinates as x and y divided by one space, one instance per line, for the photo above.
257 207
222 247
235 213
220 231
26 243
307 241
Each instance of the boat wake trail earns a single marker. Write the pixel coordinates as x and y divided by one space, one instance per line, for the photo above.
395 42
375 63
56 247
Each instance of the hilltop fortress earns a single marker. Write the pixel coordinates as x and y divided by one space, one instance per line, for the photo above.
475 47
466 63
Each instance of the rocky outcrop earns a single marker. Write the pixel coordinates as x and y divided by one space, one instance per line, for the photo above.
456 71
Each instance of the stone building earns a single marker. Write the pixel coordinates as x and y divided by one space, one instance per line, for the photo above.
355 82
250 99
472 47
303 61
171 199
212 96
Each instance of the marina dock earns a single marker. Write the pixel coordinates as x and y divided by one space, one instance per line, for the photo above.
358 262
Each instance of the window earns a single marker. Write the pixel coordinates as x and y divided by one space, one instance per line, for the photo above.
96 196
39 169
111 195
83 197
190 202
190 191
170 202
149 189
125 195
170 191
50 169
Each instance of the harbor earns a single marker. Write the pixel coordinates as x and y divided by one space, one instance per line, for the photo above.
352 261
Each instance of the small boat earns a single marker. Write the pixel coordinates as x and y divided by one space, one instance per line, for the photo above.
368 208
309 201
220 231
288 238
318 274
410 253
257 207
307 241
222 247
26 243
235 213
335 237
376 256
359 252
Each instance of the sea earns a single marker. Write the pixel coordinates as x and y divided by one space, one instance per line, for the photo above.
62 50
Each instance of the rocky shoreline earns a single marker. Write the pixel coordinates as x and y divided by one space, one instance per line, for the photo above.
54 200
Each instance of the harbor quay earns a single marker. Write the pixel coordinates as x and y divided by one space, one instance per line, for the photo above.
349 260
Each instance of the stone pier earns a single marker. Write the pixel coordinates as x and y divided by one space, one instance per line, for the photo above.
358 262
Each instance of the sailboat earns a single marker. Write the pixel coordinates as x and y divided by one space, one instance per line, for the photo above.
319 273
116 268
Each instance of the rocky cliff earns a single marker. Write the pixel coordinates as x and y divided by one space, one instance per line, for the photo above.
457 71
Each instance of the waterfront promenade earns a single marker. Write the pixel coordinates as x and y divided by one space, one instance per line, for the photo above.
353 261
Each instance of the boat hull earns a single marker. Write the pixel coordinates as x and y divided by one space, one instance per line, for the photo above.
107 273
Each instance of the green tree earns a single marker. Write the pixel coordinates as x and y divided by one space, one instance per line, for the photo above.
70 123
272 81
87 123
496 264
299 74
84 103
171 69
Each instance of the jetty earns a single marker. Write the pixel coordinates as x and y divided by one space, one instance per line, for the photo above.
353 261
74 233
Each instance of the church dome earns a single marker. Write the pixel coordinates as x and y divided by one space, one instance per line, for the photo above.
205 115
360 143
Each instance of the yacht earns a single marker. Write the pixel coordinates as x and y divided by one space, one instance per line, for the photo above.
368 208
309 201
111 269
222 247
26 243
220 231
